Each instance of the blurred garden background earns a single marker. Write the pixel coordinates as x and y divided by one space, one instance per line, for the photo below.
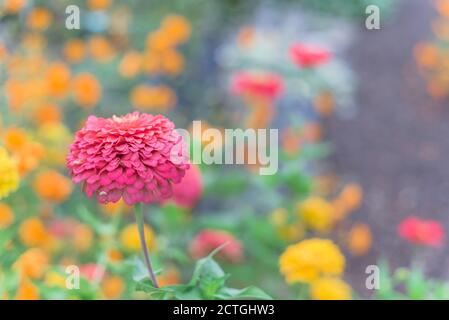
362 118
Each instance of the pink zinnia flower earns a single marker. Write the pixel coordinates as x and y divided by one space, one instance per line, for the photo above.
187 193
136 157
306 55
208 240
266 85
424 232
91 271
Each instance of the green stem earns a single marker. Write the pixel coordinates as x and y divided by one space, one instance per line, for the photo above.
140 226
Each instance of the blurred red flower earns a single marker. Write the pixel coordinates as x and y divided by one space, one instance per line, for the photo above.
187 193
424 232
266 85
306 55
208 240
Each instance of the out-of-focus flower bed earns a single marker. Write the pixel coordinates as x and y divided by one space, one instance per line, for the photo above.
226 232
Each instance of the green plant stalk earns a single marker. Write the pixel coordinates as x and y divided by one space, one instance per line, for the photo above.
138 211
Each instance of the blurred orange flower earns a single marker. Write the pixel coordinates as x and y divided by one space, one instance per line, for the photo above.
32 263
52 186
113 287
86 90
98 4
47 113
27 291
39 18
74 51
58 79
145 97
6 216
14 6
33 233
172 62
15 139
100 49
176 28
131 64
359 239
324 103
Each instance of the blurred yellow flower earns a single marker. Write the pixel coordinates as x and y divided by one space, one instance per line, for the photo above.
309 259
52 186
279 217
6 216
359 239
32 263
130 240
55 279
316 213
329 288
113 287
9 176
74 50
56 137
39 18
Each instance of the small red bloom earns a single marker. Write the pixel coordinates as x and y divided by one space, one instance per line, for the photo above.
424 232
307 56
208 240
91 271
266 85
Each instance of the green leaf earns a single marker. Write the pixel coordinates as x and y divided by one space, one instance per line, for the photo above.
246 293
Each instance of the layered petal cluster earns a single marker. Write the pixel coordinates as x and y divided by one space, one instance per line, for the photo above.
310 259
136 157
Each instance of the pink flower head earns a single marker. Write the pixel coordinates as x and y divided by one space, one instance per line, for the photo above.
136 157
61 228
306 55
424 232
208 240
187 193
266 85
91 271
